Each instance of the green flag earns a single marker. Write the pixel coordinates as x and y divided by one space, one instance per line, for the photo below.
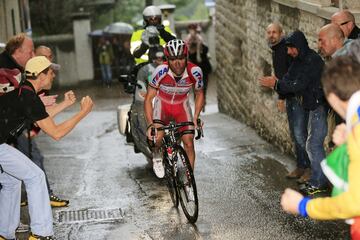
335 167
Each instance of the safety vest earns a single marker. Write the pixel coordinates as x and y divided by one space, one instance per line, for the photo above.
135 42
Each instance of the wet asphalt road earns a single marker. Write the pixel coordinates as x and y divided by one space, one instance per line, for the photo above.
239 176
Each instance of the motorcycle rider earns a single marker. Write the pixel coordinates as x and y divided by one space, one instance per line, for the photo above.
153 34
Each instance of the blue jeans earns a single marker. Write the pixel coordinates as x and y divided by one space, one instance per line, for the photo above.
317 131
106 73
17 167
37 157
298 119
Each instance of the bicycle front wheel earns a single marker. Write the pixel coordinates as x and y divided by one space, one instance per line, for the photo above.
186 186
170 182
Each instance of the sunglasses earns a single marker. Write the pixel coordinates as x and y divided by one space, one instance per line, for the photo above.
153 18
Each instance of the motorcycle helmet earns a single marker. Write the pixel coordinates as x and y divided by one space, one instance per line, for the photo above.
151 13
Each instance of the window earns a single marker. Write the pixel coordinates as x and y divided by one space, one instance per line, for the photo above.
336 3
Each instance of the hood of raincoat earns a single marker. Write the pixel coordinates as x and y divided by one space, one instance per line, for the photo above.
297 39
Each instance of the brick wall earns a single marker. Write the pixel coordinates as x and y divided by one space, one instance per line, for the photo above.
354 4
243 56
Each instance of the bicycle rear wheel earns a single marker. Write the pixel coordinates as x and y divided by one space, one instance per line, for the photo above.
171 183
186 186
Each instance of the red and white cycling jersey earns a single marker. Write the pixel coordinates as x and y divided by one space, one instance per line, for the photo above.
172 91
171 102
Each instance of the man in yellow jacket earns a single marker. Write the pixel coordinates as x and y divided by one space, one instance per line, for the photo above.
341 84
151 37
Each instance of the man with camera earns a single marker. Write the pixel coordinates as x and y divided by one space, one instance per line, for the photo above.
151 37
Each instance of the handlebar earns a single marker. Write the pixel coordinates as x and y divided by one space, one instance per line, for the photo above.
175 126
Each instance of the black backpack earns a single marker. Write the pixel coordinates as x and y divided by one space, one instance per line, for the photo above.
11 79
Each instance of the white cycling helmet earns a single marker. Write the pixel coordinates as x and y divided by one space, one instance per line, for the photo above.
151 12
176 48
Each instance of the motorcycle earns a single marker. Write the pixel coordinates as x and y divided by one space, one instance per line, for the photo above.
131 117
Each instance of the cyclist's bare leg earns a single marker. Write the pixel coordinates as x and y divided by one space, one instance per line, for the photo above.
159 136
188 141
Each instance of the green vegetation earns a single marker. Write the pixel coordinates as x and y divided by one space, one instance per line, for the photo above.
195 10
55 17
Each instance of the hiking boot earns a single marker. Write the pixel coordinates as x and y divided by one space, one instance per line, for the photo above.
189 193
311 191
298 172
37 237
24 203
22 228
305 177
57 202
158 166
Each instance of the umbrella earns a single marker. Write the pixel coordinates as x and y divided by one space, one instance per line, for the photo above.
119 28
96 33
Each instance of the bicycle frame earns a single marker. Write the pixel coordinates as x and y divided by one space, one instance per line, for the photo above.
169 143
173 152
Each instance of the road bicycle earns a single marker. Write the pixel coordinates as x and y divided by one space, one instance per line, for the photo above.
179 175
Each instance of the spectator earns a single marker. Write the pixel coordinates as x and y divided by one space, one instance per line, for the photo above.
346 21
330 39
341 84
44 51
117 48
351 49
126 59
303 79
144 74
198 53
16 107
36 155
18 51
106 57
297 116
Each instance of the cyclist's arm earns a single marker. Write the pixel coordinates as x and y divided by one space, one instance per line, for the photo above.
199 103
148 108
197 76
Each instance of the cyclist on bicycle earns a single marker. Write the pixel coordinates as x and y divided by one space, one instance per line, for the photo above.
168 99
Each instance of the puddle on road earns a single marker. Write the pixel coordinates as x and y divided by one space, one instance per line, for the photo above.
268 173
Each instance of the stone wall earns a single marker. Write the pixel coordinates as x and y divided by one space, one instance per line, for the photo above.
243 56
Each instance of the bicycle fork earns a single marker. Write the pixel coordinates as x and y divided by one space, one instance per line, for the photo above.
171 160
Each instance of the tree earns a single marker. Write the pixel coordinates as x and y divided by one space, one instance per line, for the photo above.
177 3
52 16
